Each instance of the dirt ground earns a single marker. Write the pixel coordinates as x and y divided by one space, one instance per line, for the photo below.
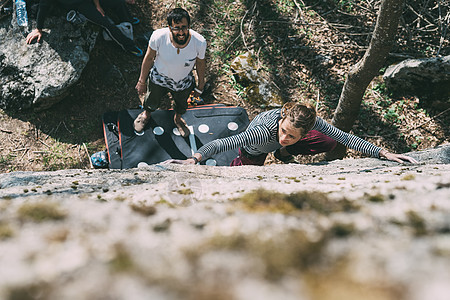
65 135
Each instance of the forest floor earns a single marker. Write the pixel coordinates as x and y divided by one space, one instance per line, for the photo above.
305 47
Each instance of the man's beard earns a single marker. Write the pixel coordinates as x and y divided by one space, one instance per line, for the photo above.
180 40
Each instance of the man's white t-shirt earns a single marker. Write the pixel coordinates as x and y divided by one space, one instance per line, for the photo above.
169 63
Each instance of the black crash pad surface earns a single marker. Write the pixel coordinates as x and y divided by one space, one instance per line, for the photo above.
161 140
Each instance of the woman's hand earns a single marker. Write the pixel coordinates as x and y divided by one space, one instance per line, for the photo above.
400 158
35 34
189 161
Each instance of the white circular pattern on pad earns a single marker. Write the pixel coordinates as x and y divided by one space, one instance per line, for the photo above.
211 162
142 165
158 130
233 126
203 128
175 131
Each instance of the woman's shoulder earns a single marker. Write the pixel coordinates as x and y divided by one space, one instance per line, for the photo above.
272 115
268 118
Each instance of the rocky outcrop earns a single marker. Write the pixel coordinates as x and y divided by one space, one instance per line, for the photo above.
258 88
356 228
427 78
40 74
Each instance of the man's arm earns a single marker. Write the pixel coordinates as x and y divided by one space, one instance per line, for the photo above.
147 64
201 68
44 7
99 7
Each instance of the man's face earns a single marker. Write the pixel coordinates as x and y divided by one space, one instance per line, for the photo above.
180 31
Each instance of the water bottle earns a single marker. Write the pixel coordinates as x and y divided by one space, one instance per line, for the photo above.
21 12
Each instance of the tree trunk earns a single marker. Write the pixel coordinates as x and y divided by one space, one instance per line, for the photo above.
365 70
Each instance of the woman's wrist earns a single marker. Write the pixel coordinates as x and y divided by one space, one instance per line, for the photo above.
141 81
382 153
195 159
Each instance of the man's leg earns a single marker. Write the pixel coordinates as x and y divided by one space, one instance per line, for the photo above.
315 142
150 104
91 13
119 8
180 107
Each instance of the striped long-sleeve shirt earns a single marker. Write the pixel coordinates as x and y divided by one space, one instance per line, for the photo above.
261 136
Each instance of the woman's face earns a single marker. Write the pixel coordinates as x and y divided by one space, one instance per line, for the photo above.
287 133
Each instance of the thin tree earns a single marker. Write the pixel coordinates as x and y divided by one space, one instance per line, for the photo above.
361 74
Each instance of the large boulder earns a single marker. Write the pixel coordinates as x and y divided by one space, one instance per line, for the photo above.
347 229
38 75
427 78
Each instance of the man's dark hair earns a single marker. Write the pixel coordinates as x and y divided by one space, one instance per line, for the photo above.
176 15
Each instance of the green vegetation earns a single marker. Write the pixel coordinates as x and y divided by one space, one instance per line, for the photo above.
29 292
120 198
417 223
143 209
122 261
263 200
284 252
345 5
7 162
57 157
165 202
295 179
187 191
5 231
41 211
378 198
409 177
341 230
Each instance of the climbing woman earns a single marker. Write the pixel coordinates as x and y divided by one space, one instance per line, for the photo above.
291 130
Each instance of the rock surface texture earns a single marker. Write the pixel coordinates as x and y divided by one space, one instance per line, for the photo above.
350 229
428 78
258 87
38 75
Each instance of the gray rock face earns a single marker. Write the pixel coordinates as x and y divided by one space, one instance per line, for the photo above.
39 75
426 78
362 228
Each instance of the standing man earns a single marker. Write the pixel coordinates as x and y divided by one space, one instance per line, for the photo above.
171 56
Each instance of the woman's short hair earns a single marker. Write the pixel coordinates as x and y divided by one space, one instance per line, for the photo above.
176 15
301 115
